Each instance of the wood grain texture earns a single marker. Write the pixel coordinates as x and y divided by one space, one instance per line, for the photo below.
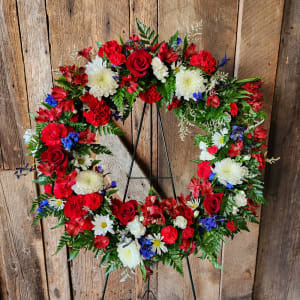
14 112
278 260
35 46
256 55
218 36
22 265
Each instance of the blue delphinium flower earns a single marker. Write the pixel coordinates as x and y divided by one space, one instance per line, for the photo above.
50 100
179 40
42 204
198 96
237 133
113 184
223 62
210 222
229 186
146 248
70 140
211 176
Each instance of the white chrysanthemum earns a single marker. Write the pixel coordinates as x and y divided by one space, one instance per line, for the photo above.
180 222
82 161
129 253
100 78
158 244
102 225
189 82
205 155
218 138
57 204
136 227
28 135
88 182
160 70
229 171
193 204
240 199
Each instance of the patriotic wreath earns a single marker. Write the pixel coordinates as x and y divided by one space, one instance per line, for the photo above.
88 99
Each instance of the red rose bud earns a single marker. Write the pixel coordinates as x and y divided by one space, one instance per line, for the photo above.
213 100
204 61
138 62
151 95
233 109
85 53
231 227
166 54
190 51
212 204
235 149
212 149
125 212
101 242
169 234
59 94
204 170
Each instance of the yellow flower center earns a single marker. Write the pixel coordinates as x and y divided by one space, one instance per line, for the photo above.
81 161
157 243
194 205
221 139
187 82
103 224
58 202
177 70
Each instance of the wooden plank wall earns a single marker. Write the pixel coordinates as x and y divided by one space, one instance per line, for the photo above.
260 37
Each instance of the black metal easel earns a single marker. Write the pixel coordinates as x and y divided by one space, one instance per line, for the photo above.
148 290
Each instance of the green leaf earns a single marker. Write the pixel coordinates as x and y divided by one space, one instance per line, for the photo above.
110 128
73 254
43 180
100 149
64 240
173 40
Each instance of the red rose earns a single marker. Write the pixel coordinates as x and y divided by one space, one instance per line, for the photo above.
204 170
59 94
169 234
86 136
46 115
85 53
74 207
166 54
233 109
260 134
74 226
204 61
235 149
175 104
261 159
213 100
62 186
212 204
99 114
138 62
190 51
230 225
188 233
151 95
93 201
125 212
212 149
101 242
52 134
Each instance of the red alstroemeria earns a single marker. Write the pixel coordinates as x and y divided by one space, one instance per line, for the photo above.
255 99
59 94
231 226
206 188
74 226
183 200
130 82
67 72
233 109
260 134
260 157
86 137
252 207
175 104
85 53
67 105
46 115
213 100
190 51
195 186
152 212
235 149
167 54
81 79
48 188
46 168
187 212
62 186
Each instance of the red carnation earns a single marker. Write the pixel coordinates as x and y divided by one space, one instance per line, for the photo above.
212 204
46 115
48 188
59 94
166 54
188 233
260 134
85 53
62 186
260 157
151 95
101 242
138 62
109 48
213 100
212 149
235 149
93 201
190 51
74 207
51 135
124 211
99 113
230 225
204 61
169 234
130 83
204 170
233 109
175 104
86 136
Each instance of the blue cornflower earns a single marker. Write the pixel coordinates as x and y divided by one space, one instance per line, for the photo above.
229 186
223 62
70 140
99 169
146 247
113 184
237 133
42 204
211 176
179 40
210 222
198 96
50 100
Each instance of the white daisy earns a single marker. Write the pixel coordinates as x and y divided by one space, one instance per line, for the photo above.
160 70
101 79
205 155
158 245
57 204
230 171
102 225
189 82
82 161
218 138
88 182
193 204
240 199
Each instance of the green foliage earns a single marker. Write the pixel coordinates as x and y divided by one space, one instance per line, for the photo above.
110 128
173 40
38 200
118 99
64 240
43 180
100 149
174 259
46 212
148 35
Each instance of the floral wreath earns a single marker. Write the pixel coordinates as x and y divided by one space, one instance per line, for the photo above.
88 99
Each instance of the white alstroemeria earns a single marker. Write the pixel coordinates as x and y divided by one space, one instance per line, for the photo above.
180 222
82 161
102 225
129 253
136 227
193 204
88 182
160 70
158 244
240 199
218 138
